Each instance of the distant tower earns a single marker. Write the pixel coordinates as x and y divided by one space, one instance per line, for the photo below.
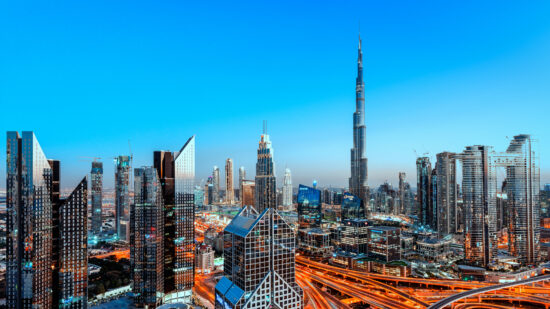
358 182
423 189
122 196
97 199
287 189
402 208
216 185
447 194
229 189
242 177
266 194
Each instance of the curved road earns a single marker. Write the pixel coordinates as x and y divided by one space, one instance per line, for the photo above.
449 300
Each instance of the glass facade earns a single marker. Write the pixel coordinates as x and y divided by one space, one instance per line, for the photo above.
147 232
72 288
352 207
29 221
229 188
309 207
122 196
447 195
184 175
423 187
266 191
384 243
97 199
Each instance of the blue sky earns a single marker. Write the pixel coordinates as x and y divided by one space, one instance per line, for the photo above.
87 76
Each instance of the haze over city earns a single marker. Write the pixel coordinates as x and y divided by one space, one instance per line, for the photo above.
88 77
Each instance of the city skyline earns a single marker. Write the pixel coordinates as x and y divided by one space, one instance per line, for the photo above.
434 67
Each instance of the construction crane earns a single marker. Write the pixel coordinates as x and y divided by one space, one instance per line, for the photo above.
86 158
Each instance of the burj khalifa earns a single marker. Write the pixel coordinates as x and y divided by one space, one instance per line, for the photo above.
359 174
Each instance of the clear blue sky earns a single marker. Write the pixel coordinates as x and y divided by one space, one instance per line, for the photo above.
87 76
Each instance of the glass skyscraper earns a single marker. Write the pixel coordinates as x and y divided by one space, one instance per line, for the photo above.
122 196
97 199
287 189
447 195
216 184
229 189
184 176
266 193
424 209
147 232
29 222
353 207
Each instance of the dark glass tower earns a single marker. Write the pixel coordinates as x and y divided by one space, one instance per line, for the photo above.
147 230
359 174
29 222
447 194
122 195
423 189
97 199
164 164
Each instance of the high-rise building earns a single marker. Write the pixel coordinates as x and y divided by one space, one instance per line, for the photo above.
28 224
384 243
447 195
184 176
522 190
164 165
97 196
46 260
229 188
479 196
147 232
71 289
402 208
122 196
423 190
309 207
242 177
433 200
266 191
358 184
259 263
216 184
287 189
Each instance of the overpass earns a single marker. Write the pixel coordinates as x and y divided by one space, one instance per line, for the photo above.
450 300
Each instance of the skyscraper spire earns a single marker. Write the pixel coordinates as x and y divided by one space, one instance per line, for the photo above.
359 174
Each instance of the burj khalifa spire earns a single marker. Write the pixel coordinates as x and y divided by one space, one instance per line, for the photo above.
359 174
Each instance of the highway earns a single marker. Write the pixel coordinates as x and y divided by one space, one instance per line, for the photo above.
449 300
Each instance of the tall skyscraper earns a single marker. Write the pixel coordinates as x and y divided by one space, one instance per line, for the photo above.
229 189
71 289
147 230
46 261
216 184
184 176
248 191
266 194
522 190
97 196
164 165
353 207
447 194
287 189
423 189
479 188
358 182
122 196
29 223
242 177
